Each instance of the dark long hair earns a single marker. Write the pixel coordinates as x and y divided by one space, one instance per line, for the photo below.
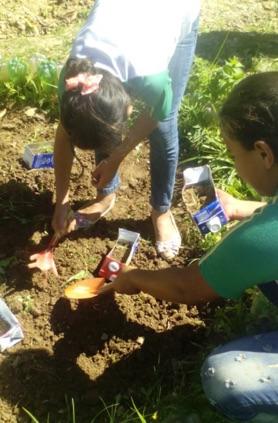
250 112
96 120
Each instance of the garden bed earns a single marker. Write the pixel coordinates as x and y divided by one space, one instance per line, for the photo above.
88 349
113 349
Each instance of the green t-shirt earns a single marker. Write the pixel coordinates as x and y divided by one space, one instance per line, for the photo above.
246 256
155 91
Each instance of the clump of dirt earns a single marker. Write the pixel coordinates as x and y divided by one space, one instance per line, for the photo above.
121 251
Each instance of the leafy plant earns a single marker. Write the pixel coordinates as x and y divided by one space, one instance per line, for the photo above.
30 83
5 263
201 138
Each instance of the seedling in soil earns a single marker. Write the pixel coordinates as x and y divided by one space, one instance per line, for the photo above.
83 274
27 302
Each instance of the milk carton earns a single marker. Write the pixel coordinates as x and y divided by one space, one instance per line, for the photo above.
201 200
39 155
10 330
120 255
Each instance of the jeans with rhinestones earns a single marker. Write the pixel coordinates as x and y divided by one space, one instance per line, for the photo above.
241 378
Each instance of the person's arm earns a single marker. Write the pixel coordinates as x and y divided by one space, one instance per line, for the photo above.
185 285
63 159
140 130
236 209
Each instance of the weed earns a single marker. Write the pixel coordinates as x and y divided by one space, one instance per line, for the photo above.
5 263
27 302
25 84
83 274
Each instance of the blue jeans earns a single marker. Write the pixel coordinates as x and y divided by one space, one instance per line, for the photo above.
241 378
164 140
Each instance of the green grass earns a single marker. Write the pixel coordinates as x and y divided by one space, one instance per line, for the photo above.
201 141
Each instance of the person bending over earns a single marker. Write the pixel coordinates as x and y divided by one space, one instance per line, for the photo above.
126 50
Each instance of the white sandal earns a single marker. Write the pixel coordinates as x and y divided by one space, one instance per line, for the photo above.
170 248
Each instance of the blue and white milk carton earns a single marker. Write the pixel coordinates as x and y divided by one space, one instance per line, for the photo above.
39 155
10 330
201 200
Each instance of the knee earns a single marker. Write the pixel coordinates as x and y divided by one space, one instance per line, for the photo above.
217 379
228 381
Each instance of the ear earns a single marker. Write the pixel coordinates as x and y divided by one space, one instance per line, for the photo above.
265 152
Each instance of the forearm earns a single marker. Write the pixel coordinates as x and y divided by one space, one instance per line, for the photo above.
245 209
184 285
140 130
63 159
236 209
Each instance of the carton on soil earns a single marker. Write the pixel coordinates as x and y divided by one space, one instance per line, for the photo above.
121 254
10 330
200 198
39 155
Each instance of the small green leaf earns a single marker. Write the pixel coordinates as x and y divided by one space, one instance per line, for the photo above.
80 275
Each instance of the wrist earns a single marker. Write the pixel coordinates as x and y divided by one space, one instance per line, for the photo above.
238 210
62 202
245 208
119 153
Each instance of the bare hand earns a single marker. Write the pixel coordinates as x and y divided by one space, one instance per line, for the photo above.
123 284
236 209
63 221
229 203
104 173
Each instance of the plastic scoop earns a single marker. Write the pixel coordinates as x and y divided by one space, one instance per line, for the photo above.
45 259
84 288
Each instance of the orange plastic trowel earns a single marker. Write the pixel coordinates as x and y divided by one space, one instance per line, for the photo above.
84 288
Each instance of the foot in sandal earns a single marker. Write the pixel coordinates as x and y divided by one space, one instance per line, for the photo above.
168 239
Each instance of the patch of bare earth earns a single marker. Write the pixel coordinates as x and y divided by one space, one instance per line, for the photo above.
87 349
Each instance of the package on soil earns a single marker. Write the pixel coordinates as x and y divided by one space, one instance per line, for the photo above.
201 200
39 155
121 254
10 330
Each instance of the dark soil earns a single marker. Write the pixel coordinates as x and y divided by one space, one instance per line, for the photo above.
87 349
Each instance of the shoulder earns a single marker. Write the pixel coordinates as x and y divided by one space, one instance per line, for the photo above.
155 90
246 256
